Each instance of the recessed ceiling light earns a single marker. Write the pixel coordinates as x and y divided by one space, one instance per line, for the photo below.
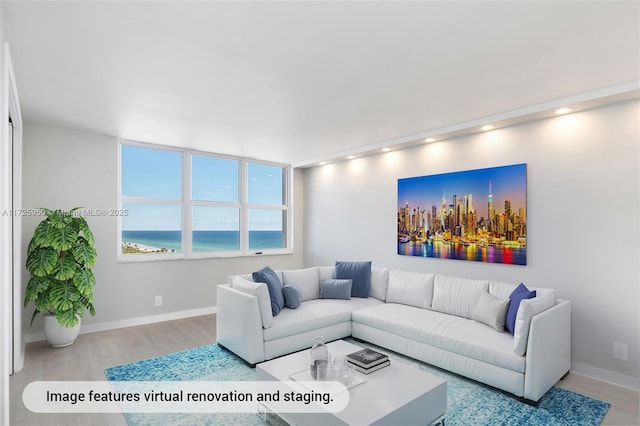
429 140
386 149
487 127
351 157
322 163
564 110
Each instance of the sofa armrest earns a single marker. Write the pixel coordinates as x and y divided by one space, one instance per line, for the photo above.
548 349
239 324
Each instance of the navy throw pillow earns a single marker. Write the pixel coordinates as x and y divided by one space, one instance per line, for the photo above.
335 289
520 293
270 278
292 296
359 272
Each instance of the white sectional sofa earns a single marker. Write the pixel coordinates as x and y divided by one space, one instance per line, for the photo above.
428 317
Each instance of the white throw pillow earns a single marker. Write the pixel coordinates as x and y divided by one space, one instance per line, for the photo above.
491 311
502 290
247 277
307 280
527 309
261 291
410 288
457 296
379 282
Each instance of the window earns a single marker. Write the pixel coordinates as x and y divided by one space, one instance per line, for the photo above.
267 206
151 196
186 204
216 203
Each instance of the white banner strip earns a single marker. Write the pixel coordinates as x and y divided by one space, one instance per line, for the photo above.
184 397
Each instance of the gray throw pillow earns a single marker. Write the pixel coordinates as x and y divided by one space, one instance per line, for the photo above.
335 289
491 311
270 278
292 296
359 272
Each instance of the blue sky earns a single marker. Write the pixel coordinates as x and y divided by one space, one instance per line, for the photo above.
156 174
507 183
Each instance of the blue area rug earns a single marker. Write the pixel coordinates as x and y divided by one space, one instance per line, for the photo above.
469 402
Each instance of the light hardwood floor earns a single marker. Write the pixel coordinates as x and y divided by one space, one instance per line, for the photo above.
91 353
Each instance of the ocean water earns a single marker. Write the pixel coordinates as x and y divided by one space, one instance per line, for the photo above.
205 240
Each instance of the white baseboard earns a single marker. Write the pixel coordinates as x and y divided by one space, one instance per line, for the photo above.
606 376
112 325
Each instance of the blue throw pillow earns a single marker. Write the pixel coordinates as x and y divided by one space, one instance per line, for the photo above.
360 273
521 292
292 296
270 278
335 289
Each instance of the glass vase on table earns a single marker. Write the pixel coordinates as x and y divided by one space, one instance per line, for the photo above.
319 356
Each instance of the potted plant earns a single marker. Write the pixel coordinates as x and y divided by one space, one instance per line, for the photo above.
60 257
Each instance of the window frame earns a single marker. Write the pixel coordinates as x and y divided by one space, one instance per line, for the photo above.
187 203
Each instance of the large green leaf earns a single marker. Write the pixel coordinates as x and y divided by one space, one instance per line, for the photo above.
84 253
62 239
70 317
64 296
32 247
42 261
60 219
84 280
86 232
65 267
35 287
43 301
41 235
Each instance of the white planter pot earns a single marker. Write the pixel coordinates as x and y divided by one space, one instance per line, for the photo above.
58 336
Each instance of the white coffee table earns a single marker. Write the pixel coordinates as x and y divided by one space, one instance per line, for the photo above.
395 395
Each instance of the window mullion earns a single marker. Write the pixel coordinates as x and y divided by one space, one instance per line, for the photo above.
187 211
244 213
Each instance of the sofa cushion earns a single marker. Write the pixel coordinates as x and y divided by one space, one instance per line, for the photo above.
336 289
459 335
307 280
529 308
230 278
249 277
457 296
410 288
491 311
359 272
274 284
315 314
502 290
292 296
259 290
326 272
520 293
379 282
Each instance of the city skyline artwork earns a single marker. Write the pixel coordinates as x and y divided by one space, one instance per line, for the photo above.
475 215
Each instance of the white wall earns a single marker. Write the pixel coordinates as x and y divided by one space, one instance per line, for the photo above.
582 219
65 169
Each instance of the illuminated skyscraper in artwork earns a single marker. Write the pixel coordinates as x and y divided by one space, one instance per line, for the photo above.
490 207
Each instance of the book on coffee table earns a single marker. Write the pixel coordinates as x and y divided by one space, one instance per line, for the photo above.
372 369
367 358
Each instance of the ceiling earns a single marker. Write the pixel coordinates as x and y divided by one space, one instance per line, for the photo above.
297 82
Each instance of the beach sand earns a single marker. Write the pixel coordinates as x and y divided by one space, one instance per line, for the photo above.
129 247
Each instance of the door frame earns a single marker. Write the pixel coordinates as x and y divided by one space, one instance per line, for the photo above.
11 111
